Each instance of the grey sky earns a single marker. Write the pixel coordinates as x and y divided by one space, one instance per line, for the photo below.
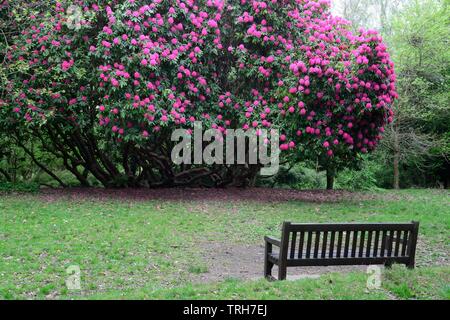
372 11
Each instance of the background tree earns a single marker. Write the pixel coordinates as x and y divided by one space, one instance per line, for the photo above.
419 134
416 143
19 160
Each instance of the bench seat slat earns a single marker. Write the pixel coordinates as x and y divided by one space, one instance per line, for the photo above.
326 254
344 261
274 258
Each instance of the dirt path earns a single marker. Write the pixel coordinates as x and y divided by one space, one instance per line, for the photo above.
246 262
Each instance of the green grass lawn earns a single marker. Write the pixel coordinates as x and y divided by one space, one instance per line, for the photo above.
151 249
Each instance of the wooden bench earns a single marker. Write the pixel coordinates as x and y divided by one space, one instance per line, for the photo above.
341 244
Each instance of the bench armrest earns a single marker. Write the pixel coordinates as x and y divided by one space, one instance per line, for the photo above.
273 241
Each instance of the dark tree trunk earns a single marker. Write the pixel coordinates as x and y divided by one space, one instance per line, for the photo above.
330 179
6 175
253 174
396 172
445 176
39 164
60 150
396 161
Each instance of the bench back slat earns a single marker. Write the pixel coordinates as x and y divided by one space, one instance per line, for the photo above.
354 242
293 243
361 244
389 243
331 248
369 243
405 242
300 245
347 243
308 245
339 244
376 243
397 242
383 243
324 244
316 244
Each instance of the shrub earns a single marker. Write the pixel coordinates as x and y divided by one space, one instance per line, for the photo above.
107 82
363 178
18 187
301 176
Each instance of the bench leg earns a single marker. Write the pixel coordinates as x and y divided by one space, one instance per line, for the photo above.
267 264
412 246
282 271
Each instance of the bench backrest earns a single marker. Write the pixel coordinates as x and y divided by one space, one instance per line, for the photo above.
355 243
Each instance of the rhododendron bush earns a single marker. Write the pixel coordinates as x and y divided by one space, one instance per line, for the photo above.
105 83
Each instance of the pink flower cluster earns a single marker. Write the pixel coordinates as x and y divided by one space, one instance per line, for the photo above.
66 65
283 64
